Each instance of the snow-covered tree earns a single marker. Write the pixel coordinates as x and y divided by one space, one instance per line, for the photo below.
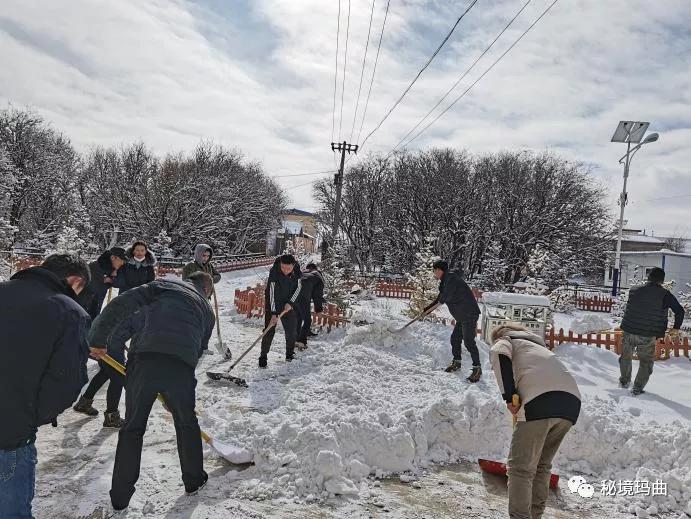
68 240
160 246
493 271
336 286
562 300
422 278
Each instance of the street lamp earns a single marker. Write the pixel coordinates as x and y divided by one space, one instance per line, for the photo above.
628 132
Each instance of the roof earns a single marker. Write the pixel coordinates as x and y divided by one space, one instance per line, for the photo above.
641 238
299 212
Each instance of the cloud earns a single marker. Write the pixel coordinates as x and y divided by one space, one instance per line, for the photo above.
258 75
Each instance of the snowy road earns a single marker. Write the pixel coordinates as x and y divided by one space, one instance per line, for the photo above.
357 406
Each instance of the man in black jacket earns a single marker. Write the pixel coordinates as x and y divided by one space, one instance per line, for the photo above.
43 356
281 293
645 320
312 290
459 298
178 322
104 272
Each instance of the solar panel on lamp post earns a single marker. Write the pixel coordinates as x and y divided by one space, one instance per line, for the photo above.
629 132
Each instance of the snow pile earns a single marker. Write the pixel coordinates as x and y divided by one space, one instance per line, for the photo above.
369 402
589 323
507 298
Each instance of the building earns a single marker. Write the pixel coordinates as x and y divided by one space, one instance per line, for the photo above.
296 225
637 240
637 265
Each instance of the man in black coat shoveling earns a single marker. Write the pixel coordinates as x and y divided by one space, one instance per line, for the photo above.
458 297
281 293
104 273
312 290
43 355
162 358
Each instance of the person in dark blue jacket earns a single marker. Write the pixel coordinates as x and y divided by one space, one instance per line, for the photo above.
312 290
104 273
281 293
177 324
459 299
43 354
140 267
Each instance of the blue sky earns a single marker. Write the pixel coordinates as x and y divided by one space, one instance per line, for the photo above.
258 75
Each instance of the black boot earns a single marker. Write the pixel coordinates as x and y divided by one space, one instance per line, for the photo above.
475 375
454 366
192 491
112 419
84 406
262 362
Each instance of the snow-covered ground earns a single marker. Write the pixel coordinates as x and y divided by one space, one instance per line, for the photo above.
365 422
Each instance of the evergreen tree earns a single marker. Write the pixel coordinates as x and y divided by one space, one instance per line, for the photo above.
336 286
422 278
494 269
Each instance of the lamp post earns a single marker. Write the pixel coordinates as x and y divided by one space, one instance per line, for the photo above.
630 132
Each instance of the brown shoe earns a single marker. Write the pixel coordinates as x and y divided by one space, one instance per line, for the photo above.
454 366
475 375
300 346
112 420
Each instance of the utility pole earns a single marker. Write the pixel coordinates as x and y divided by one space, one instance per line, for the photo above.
338 182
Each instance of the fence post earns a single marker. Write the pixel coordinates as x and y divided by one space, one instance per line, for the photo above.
251 296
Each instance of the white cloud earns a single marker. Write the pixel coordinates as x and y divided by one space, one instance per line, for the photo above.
258 75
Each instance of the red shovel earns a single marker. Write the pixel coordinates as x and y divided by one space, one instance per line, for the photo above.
494 467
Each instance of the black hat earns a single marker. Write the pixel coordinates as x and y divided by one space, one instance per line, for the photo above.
118 252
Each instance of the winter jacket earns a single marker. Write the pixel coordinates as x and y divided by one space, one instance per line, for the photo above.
281 289
198 264
312 290
43 353
647 308
522 364
458 297
91 298
136 273
177 320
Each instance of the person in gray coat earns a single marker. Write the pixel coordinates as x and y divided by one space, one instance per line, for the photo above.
645 320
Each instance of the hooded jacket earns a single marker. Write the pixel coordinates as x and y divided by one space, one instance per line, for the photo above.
136 273
198 264
173 318
522 364
281 289
312 290
43 353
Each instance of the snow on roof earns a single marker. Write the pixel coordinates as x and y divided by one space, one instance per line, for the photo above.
663 252
299 212
506 298
640 238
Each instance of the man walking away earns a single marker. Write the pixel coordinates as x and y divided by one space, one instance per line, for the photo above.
282 292
201 263
43 356
645 320
162 359
549 405
312 290
459 298
104 272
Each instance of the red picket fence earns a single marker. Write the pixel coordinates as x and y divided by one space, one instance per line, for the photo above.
595 303
250 303
222 266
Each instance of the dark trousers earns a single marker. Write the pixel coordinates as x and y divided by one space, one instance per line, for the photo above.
304 323
464 332
106 373
148 375
289 322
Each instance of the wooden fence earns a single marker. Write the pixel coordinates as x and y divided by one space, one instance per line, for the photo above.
222 266
250 303
594 303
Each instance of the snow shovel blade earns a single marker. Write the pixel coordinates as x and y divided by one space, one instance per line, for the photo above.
216 375
499 469
234 455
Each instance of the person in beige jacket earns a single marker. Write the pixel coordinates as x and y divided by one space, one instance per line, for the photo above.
549 406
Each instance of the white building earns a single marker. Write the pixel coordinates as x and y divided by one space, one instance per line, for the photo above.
677 267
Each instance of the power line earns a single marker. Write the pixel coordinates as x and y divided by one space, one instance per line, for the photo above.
305 184
661 198
374 71
362 73
431 58
338 34
345 64
304 174
483 74
467 71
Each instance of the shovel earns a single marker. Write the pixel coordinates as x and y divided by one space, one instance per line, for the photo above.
220 347
495 467
214 375
417 318
232 454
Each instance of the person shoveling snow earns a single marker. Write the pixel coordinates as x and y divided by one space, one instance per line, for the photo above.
458 297
163 356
